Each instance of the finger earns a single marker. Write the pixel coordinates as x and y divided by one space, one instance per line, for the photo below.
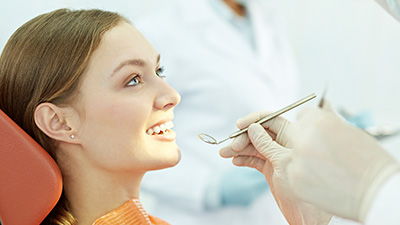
240 142
277 130
261 140
249 161
275 124
251 118
228 152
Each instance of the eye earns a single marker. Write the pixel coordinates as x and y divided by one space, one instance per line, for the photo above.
135 81
160 71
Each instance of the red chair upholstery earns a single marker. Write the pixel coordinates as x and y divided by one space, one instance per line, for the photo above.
30 180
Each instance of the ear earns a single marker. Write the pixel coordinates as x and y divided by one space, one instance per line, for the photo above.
53 121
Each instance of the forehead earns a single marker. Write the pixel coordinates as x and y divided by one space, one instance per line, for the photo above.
122 42
124 35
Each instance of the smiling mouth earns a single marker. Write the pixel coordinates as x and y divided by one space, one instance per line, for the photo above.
160 129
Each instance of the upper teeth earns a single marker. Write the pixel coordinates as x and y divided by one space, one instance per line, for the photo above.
162 127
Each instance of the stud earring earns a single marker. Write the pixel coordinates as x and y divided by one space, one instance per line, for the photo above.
72 136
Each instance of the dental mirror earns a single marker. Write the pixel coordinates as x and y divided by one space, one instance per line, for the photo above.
211 140
207 139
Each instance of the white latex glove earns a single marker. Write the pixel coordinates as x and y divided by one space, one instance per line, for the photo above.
270 157
335 165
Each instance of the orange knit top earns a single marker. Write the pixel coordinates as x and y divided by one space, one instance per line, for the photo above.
130 213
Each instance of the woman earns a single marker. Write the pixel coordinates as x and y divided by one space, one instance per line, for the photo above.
88 87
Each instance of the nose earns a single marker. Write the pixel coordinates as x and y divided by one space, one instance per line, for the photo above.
168 97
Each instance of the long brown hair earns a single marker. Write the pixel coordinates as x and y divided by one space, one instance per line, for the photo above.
43 61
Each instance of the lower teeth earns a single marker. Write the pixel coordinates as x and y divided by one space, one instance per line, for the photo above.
161 132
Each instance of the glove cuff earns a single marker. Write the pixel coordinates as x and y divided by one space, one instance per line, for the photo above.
373 182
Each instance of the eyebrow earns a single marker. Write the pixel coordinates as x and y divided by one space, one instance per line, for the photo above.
134 62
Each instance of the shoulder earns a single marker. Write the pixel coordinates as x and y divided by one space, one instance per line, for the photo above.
157 221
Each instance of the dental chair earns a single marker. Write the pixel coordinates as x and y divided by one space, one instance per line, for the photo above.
30 180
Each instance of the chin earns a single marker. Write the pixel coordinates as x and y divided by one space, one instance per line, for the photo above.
169 159
175 158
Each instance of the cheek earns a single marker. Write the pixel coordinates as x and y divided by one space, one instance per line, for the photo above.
119 126
115 142
118 112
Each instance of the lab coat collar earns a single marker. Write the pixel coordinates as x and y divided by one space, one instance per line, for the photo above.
201 15
263 34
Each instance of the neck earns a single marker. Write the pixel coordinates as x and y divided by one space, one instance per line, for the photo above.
237 8
92 193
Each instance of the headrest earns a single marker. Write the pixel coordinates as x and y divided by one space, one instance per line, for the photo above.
30 180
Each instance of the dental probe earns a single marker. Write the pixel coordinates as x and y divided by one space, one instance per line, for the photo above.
211 140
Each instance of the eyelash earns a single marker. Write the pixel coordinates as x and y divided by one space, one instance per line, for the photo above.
160 71
138 78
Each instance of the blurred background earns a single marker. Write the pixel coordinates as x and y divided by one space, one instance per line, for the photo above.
353 45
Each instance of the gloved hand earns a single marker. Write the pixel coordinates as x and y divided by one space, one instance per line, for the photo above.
335 165
268 150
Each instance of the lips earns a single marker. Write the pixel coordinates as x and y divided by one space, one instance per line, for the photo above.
160 129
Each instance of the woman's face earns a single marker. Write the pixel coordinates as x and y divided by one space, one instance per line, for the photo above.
124 104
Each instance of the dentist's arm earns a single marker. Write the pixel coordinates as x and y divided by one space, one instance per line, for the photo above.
336 166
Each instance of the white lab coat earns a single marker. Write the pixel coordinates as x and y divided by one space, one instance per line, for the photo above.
220 78
392 7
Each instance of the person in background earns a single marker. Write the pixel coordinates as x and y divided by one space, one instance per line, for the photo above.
226 58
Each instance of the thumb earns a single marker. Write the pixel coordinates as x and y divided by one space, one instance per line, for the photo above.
261 140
